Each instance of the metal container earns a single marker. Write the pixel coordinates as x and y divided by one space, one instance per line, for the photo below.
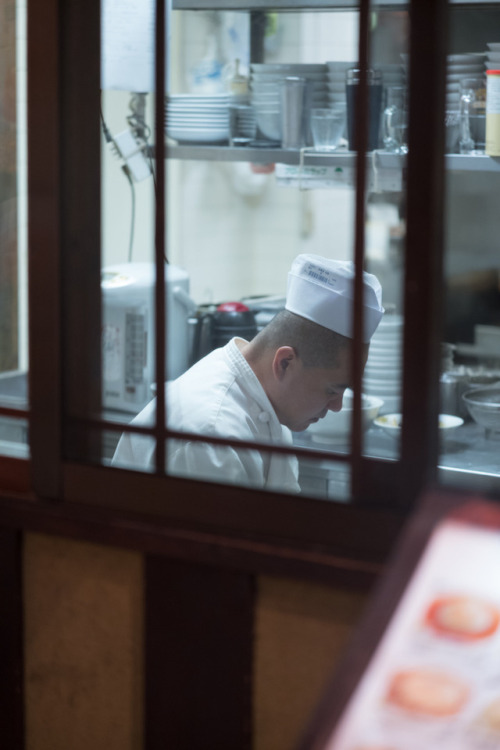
454 383
375 89
293 112
484 407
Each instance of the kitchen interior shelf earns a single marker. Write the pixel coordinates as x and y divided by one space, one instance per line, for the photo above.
277 5
380 159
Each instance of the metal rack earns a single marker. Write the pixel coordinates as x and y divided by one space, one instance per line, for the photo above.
278 5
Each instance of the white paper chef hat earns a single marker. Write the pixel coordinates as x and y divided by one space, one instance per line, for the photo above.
322 290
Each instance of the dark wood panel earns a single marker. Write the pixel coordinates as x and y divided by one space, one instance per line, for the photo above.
271 556
11 640
43 243
199 634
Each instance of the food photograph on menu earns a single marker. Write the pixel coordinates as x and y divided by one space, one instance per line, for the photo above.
433 682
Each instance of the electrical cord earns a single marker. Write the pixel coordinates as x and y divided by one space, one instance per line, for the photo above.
140 129
126 171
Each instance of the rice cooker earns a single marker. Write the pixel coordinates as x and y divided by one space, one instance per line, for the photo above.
128 331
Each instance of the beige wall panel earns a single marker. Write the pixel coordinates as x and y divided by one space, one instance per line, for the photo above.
83 640
301 630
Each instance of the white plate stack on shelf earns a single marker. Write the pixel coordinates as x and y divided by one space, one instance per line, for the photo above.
466 65
336 81
197 118
266 80
383 371
492 56
393 74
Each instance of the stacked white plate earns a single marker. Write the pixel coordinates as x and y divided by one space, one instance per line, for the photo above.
393 74
492 56
383 371
336 81
196 118
466 65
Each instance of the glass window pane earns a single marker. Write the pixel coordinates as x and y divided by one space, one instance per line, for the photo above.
238 213
13 200
470 368
385 229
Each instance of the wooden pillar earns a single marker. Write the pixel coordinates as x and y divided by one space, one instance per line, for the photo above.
199 635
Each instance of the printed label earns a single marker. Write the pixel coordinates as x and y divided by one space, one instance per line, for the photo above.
493 95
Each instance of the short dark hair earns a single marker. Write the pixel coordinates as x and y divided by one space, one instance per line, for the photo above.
316 345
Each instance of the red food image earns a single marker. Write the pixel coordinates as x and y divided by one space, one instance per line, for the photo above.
464 618
427 692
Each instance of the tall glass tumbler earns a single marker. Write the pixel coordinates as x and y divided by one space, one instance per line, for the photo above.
375 88
472 115
395 120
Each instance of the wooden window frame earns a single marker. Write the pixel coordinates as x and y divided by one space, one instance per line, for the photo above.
297 530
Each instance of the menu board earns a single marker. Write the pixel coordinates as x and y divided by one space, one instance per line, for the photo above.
433 680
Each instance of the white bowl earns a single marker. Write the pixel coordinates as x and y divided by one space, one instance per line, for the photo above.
335 427
269 122
391 423
483 405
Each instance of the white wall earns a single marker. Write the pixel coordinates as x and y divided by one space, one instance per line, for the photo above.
234 231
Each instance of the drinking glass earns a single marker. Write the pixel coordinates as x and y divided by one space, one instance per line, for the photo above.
395 120
472 115
327 127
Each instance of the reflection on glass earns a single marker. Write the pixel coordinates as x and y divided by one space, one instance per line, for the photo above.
13 431
233 231
470 369
385 233
13 228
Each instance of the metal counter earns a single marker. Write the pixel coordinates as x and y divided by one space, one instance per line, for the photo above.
468 459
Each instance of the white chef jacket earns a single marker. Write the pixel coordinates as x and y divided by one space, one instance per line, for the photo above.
219 396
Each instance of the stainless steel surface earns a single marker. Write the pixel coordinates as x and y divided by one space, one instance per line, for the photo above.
456 381
484 406
467 457
453 162
298 5
14 432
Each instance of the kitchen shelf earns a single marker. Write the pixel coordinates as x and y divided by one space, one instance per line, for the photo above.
296 5
472 163
279 156
344 159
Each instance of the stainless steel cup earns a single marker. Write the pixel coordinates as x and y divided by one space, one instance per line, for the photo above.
293 112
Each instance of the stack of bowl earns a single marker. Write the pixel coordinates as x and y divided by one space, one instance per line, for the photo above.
383 371
266 80
492 56
393 74
336 81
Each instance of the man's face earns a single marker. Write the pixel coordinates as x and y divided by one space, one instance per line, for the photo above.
309 393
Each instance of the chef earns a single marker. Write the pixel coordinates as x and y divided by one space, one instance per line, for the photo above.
291 374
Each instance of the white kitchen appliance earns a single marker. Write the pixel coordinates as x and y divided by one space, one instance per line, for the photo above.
128 332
